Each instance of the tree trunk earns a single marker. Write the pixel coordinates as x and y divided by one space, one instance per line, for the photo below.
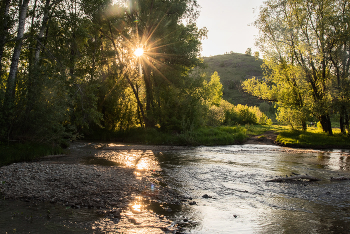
304 125
326 124
346 116
149 98
139 104
5 6
341 123
11 82
33 78
342 119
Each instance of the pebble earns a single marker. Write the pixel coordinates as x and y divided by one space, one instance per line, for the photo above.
206 196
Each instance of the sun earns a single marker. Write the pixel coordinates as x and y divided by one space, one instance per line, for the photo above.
138 52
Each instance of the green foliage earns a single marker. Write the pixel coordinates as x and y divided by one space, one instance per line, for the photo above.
213 90
201 136
215 116
293 118
265 107
248 52
306 60
242 114
312 139
256 55
77 70
182 109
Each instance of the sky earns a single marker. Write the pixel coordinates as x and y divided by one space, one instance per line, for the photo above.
228 27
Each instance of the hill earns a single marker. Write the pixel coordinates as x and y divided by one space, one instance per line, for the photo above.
233 68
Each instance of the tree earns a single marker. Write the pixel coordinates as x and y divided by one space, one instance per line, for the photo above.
4 27
248 51
73 67
214 90
297 38
9 101
339 54
171 49
256 55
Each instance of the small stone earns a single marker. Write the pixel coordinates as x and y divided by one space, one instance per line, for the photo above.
206 196
192 203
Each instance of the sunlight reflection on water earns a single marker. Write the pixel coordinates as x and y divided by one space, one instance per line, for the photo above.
141 160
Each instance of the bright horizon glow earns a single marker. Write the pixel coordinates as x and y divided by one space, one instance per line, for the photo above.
228 24
138 52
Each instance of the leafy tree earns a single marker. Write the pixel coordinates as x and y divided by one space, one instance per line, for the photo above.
248 51
73 67
256 55
214 90
297 38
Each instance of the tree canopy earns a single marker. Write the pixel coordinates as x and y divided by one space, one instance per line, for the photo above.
69 66
306 58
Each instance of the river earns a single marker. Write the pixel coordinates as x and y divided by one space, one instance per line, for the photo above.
225 189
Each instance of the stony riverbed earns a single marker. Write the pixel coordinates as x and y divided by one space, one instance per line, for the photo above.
67 181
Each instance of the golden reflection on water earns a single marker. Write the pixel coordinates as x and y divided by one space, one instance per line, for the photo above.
141 160
136 219
138 205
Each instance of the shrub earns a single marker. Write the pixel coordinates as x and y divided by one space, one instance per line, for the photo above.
243 114
216 116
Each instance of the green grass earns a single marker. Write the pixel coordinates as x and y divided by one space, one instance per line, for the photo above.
260 129
227 135
19 152
313 138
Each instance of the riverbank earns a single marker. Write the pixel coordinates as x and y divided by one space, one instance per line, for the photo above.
88 178
313 138
209 136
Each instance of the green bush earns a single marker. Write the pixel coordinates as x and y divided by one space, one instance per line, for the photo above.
243 114
216 116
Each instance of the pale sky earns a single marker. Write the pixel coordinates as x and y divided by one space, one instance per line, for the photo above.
227 22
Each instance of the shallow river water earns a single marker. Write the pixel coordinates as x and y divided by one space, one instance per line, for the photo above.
226 189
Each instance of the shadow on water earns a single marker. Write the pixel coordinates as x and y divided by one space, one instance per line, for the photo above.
224 191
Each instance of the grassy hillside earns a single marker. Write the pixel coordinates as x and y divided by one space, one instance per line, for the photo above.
232 69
